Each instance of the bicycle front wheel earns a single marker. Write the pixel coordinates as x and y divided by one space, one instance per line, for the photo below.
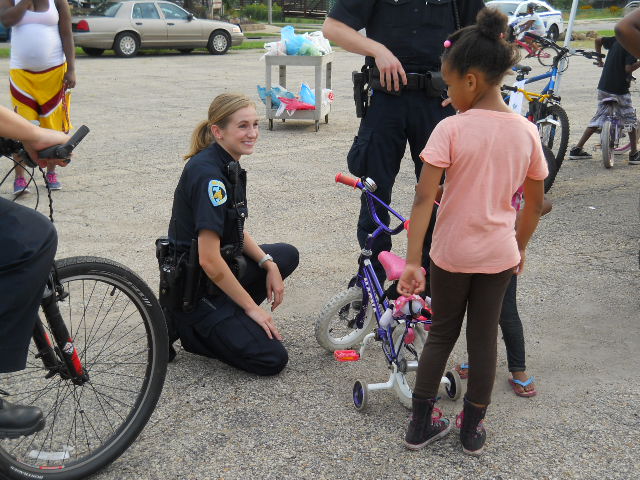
607 140
554 132
120 335
336 327
407 381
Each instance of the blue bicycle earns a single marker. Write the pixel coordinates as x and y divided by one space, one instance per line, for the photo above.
544 109
401 324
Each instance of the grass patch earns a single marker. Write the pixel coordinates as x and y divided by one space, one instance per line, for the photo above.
593 14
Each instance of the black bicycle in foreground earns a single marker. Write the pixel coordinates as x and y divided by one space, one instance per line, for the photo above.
96 364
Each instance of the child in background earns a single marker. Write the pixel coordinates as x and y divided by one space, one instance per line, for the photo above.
614 82
488 152
511 326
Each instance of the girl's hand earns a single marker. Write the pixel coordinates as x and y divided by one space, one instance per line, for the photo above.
265 320
412 280
69 80
518 269
275 285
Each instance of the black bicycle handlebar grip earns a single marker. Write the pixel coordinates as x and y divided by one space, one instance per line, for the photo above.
63 152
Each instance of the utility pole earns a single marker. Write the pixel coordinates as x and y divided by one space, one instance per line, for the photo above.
270 9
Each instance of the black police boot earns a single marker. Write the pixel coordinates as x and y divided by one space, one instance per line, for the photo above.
18 420
472 432
423 428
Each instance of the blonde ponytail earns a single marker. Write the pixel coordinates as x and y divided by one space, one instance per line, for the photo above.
201 138
220 111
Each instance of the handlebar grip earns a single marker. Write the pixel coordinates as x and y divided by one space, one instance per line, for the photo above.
347 180
63 152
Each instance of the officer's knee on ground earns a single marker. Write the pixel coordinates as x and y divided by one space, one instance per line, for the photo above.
271 363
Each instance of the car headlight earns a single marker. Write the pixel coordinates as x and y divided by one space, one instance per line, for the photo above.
236 29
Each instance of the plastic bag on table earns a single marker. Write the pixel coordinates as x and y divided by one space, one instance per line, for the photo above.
293 41
321 43
276 92
290 105
274 49
307 95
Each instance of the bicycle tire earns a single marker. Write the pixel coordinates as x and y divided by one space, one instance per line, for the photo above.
546 55
407 381
119 331
343 307
556 141
606 144
552 166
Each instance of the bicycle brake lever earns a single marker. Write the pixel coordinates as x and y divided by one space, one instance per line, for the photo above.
63 152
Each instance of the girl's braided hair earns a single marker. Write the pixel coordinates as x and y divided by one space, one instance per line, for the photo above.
482 46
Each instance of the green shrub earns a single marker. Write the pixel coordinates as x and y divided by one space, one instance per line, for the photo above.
260 12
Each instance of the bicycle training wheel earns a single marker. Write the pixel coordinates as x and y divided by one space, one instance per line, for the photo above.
406 381
121 338
336 328
554 132
607 140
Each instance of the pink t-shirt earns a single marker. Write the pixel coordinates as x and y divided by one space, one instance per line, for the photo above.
487 156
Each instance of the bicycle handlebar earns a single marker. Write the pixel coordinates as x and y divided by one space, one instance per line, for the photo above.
347 180
63 152
57 152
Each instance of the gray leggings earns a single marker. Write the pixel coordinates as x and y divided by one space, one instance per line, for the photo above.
480 296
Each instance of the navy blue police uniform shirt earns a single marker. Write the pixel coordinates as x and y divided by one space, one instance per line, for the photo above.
203 198
413 30
614 78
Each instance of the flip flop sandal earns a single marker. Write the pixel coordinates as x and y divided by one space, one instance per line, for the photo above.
460 367
519 383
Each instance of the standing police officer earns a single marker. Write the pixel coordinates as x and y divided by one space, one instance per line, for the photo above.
224 275
403 46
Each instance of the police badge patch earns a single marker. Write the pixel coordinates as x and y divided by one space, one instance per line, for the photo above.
217 192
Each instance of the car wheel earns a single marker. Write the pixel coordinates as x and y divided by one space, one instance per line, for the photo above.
93 52
219 42
126 44
553 33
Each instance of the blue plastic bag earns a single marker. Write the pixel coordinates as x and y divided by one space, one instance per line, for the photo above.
275 92
307 95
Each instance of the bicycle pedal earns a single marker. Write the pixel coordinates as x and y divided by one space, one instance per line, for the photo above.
346 355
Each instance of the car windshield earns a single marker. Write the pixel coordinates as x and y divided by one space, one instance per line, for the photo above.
106 9
506 8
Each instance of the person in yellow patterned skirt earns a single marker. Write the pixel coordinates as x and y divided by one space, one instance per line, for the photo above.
42 68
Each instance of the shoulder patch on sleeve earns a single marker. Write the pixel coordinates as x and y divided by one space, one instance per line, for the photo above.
217 192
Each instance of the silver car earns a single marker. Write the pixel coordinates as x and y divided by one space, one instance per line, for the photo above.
128 26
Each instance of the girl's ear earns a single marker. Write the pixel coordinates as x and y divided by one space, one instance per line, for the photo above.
217 133
471 80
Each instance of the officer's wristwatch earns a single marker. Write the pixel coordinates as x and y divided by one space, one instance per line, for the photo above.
264 259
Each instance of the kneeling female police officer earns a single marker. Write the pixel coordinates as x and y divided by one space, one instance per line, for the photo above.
209 204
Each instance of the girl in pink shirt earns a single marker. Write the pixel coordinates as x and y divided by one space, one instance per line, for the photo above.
487 153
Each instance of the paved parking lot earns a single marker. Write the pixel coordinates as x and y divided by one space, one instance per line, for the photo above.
578 298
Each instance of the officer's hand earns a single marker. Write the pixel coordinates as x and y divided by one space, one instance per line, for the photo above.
275 285
391 71
265 320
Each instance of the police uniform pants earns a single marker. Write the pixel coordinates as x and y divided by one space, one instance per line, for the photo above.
219 328
378 149
28 243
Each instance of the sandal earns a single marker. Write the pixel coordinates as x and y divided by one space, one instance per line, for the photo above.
462 369
518 383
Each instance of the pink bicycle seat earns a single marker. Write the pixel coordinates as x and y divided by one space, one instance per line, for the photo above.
393 265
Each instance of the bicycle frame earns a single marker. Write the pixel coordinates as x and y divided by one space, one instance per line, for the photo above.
366 277
63 347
